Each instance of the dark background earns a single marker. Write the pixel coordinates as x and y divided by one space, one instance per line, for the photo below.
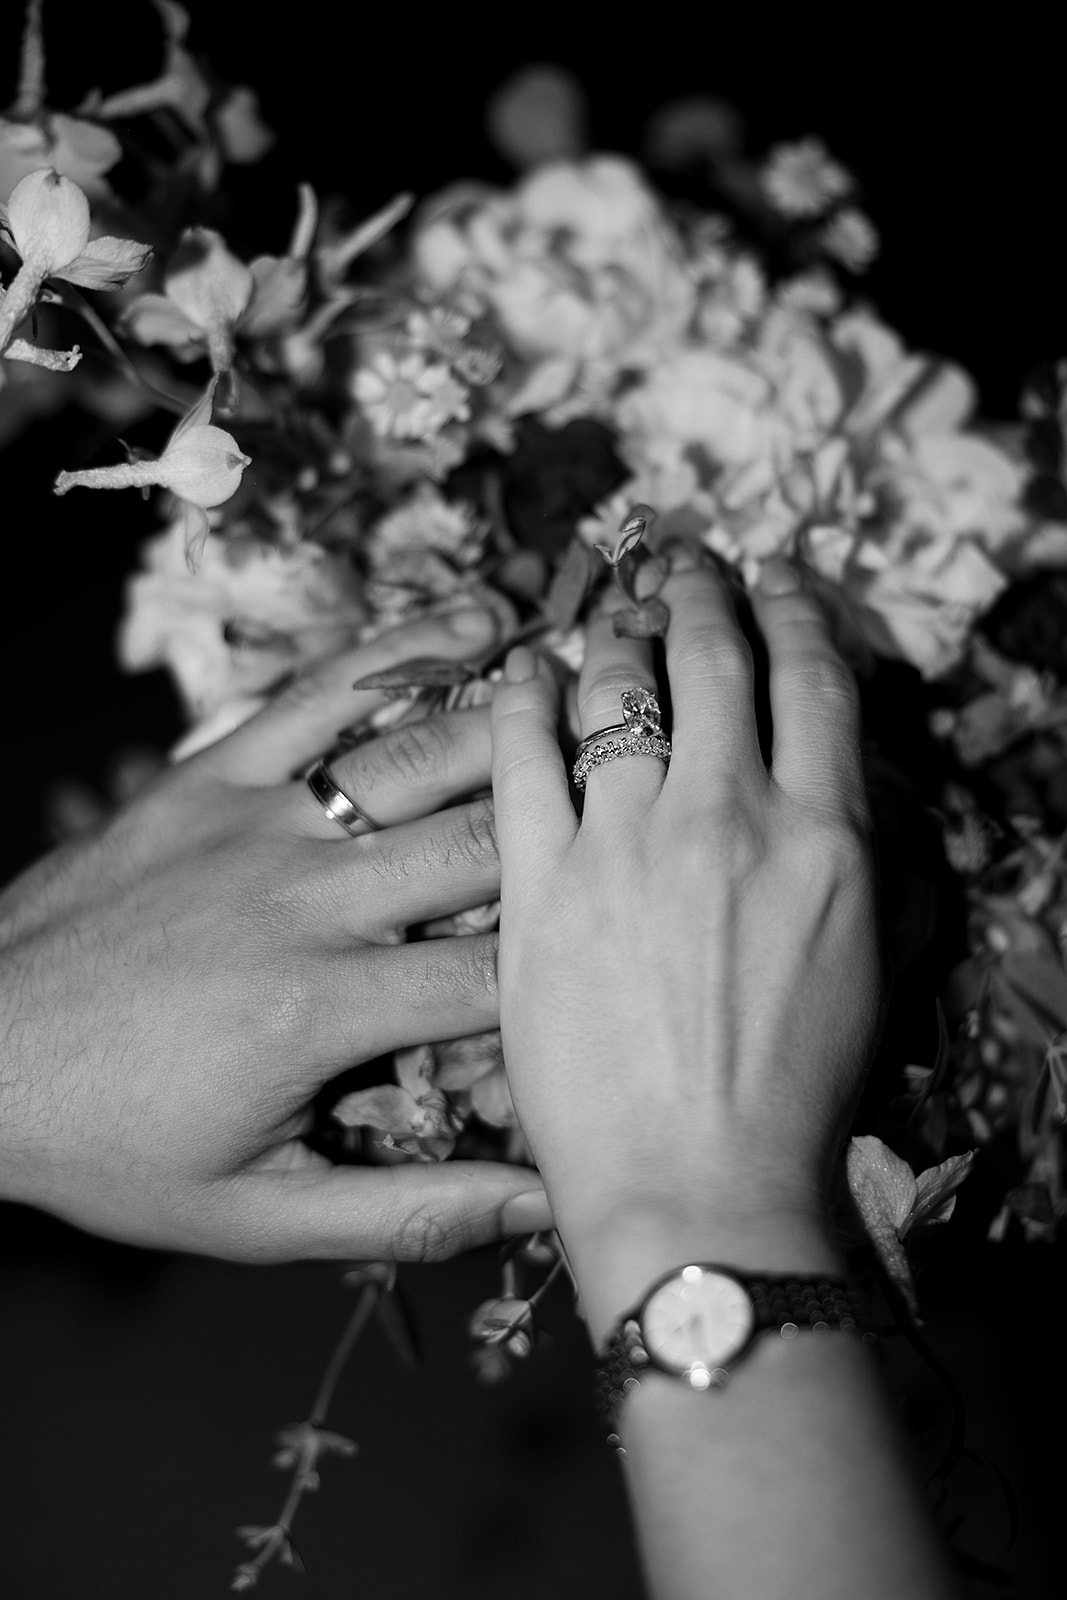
140 1392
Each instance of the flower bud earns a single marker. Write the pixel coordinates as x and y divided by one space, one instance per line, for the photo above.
203 465
49 220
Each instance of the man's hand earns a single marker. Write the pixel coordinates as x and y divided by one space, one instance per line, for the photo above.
175 989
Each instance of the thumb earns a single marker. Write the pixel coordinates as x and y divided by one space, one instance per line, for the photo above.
411 1212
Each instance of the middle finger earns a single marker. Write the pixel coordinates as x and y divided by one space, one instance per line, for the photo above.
376 886
712 679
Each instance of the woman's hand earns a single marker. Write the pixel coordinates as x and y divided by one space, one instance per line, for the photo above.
690 982
174 990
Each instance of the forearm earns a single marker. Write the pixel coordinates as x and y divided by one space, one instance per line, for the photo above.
792 1479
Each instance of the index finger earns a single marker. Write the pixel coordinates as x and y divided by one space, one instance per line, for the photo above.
305 719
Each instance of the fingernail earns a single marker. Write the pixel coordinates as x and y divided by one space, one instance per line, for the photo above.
473 626
521 664
778 577
528 1212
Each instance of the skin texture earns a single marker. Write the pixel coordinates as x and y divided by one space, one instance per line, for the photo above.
690 990
176 988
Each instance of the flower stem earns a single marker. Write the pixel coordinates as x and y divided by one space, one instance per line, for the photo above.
342 1350
19 301
281 1538
52 360
126 475
29 97
553 1272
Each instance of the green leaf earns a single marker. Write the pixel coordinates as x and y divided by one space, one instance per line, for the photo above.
422 673
883 1188
498 1319
647 621
935 1190
1034 990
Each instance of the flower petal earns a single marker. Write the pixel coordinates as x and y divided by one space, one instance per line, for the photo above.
107 263
49 220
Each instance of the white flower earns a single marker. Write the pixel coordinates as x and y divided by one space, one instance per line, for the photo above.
722 405
202 465
80 150
427 520
406 397
813 292
439 330
577 266
810 395
926 611
671 485
733 300
248 615
803 179
207 292
852 239
48 221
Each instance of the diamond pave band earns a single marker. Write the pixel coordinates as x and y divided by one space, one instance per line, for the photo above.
641 731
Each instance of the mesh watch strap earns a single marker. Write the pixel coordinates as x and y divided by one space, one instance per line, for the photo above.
781 1301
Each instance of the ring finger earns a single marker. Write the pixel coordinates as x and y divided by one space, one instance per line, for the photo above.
405 773
611 667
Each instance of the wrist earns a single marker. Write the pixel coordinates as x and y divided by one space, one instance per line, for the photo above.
615 1263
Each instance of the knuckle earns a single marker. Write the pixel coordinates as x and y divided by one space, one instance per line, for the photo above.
609 682
272 906
425 1235
287 1008
473 838
411 754
736 839
727 659
848 846
307 689
839 847
474 974
826 680
512 764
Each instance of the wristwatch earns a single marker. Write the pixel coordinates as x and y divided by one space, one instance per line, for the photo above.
697 1322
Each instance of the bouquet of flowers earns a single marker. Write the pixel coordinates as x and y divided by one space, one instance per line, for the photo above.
513 397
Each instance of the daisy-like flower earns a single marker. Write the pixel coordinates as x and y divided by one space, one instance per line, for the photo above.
736 299
852 239
427 520
813 292
803 179
440 330
407 397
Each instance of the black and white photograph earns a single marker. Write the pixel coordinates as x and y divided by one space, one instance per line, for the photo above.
533 866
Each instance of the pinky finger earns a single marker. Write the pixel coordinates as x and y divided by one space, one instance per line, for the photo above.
531 795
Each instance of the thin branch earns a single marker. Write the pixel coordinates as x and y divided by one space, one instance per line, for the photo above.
343 1349
279 1542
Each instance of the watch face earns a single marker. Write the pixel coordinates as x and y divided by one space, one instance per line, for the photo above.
696 1321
